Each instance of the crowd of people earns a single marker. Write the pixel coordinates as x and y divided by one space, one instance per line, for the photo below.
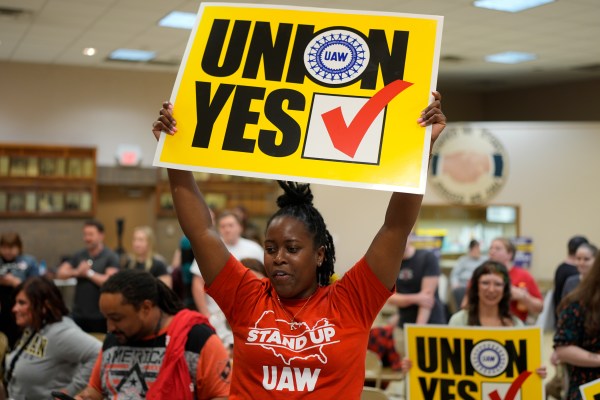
499 294
142 328
155 347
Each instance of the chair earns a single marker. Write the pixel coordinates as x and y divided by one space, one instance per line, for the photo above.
370 393
373 368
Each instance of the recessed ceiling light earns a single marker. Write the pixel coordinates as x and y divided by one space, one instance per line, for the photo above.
510 57
89 51
178 19
132 55
510 5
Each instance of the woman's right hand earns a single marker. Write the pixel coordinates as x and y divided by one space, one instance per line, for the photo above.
165 122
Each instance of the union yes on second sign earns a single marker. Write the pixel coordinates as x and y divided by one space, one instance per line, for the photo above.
305 94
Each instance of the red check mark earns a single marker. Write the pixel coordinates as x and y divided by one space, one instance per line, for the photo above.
513 389
347 138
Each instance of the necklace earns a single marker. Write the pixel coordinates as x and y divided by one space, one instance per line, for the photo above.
293 324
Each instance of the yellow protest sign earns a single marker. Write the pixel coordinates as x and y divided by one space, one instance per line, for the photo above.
313 95
591 390
473 362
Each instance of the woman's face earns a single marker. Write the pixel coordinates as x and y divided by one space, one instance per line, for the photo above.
22 310
9 252
584 260
491 289
499 253
291 259
140 243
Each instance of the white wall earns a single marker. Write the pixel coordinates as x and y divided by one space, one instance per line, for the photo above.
48 104
552 165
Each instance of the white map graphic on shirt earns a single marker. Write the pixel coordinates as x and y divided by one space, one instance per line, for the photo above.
304 343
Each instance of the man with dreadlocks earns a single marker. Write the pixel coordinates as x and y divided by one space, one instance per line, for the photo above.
295 335
155 349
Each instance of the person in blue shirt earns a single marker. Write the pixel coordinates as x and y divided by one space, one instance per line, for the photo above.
15 268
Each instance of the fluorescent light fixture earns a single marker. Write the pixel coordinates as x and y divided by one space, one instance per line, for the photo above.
178 19
132 55
510 57
89 51
510 5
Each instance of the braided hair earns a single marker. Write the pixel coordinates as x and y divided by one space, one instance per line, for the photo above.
297 202
136 286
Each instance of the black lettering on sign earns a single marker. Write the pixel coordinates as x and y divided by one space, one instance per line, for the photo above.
451 355
468 344
272 54
445 387
516 359
428 391
427 358
449 389
270 142
296 70
208 111
391 62
467 390
234 49
290 130
240 117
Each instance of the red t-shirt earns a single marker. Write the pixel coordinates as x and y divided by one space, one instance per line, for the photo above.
521 278
322 359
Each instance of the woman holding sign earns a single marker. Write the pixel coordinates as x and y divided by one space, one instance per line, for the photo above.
489 295
296 335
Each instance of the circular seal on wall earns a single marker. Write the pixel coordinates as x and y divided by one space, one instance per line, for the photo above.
489 358
469 165
336 56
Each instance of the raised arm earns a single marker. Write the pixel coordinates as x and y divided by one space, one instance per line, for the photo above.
192 211
384 256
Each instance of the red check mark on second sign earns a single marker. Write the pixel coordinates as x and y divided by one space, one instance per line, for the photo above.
347 138
513 389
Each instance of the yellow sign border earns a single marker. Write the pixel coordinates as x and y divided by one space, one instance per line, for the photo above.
534 383
384 182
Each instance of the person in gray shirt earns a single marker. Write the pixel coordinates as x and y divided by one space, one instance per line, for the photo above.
463 270
53 354
91 266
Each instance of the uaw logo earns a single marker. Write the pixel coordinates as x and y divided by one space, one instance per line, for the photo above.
489 358
336 57
275 335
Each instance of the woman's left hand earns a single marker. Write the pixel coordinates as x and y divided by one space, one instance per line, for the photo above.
434 116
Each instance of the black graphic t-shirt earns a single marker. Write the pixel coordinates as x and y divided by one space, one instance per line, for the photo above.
128 371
